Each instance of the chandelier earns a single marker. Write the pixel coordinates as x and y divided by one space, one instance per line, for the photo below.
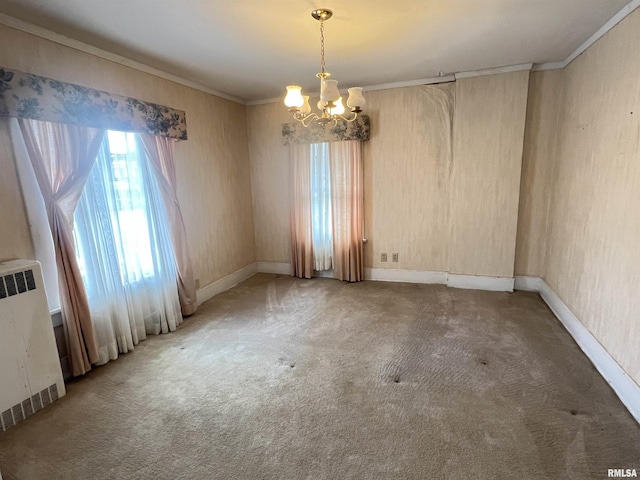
330 104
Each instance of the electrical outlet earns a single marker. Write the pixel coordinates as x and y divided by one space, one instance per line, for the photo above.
197 283
383 257
394 257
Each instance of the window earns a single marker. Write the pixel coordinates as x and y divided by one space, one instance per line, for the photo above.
327 205
120 233
121 202
321 224
124 249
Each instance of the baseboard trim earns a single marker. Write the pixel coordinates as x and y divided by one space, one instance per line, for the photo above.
622 384
528 284
500 284
274 267
480 282
408 276
225 283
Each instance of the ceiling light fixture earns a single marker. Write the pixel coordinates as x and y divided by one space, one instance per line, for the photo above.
330 104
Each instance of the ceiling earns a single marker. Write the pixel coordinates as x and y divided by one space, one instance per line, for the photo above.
251 49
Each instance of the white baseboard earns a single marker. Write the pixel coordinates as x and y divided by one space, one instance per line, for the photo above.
479 282
225 283
501 284
408 276
622 384
528 284
274 267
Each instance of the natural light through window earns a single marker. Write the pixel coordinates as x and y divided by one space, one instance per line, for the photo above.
321 207
118 213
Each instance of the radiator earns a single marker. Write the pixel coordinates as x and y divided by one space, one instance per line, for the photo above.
30 373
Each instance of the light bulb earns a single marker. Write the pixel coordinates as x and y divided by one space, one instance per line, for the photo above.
338 107
294 97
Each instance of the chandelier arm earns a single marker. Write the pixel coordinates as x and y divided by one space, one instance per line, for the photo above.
295 101
305 120
355 115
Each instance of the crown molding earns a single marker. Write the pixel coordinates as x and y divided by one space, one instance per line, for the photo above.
421 81
410 83
98 52
538 67
264 101
494 71
370 88
602 31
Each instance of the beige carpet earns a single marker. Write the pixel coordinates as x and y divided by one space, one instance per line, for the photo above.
281 378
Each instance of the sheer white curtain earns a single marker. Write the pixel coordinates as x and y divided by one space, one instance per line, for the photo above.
347 185
321 207
124 249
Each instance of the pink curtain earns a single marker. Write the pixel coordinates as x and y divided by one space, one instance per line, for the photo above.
347 203
62 157
301 237
160 152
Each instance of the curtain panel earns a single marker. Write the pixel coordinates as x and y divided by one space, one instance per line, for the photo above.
160 153
302 261
295 133
62 157
347 204
123 242
24 95
343 199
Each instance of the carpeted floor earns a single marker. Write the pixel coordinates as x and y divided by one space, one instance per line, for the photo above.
281 378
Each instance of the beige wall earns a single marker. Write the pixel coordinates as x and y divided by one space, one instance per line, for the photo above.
487 151
593 236
538 170
407 163
269 181
212 166
412 180
14 228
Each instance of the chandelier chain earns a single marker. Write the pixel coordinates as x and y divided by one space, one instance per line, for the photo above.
330 104
322 47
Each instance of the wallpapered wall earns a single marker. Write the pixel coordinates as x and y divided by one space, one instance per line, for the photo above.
14 228
540 143
212 166
578 225
442 205
407 177
587 241
487 155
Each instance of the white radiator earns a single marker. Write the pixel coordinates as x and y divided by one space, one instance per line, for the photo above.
30 373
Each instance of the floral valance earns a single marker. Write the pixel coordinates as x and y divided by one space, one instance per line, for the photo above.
295 133
25 95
